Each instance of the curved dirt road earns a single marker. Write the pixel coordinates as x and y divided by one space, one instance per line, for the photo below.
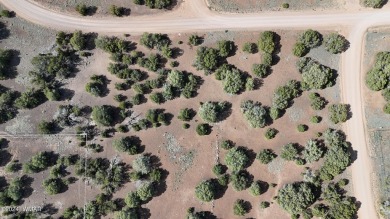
198 18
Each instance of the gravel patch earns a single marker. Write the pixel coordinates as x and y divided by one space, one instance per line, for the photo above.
276 166
180 157
252 6
20 125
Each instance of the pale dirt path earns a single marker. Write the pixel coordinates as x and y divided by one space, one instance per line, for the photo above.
194 16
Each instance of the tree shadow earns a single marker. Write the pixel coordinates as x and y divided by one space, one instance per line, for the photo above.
173 4
5 157
4 143
27 189
4 31
177 52
49 209
91 10
220 190
66 94
126 12
90 40
143 213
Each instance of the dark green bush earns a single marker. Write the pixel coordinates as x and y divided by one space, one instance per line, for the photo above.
203 129
237 159
271 133
339 113
265 156
336 43
127 144
103 115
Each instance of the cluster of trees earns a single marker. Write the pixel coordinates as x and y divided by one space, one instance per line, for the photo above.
283 96
207 59
153 118
314 74
180 83
312 152
112 44
110 174
155 40
13 193
337 156
378 78
256 114
306 41
233 80
48 68
267 44
296 197
98 85
212 112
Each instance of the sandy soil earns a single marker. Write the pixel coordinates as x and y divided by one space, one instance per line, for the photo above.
68 6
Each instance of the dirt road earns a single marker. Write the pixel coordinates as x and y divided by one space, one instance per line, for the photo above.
194 16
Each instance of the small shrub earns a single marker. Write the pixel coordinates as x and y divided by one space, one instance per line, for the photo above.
203 129
219 169
249 47
240 207
255 189
186 114
186 126
227 144
265 156
206 191
302 128
315 119
270 133
241 180
285 5
116 11
339 113
264 204
45 127
289 152
6 13
82 9
194 40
